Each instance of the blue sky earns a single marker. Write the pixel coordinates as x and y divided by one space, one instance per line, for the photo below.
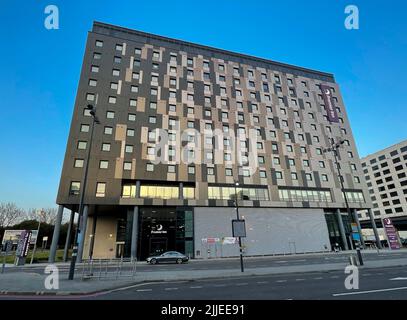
40 68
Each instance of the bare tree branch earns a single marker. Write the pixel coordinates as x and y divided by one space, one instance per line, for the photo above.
10 214
47 215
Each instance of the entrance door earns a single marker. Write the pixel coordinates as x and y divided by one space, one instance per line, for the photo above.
158 245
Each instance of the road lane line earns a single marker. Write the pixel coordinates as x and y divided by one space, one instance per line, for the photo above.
334 277
144 290
281 281
299 279
169 289
196 287
367 292
262 282
318 278
242 284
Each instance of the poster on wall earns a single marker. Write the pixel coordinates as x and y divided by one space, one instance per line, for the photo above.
329 103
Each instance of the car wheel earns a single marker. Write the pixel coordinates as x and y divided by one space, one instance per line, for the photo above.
153 261
179 261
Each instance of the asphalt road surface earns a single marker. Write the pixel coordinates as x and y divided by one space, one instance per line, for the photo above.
384 283
256 262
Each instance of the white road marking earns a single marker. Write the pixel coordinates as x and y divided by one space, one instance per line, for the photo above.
399 278
299 279
169 289
280 281
262 282
281 261
196 287
318 278
242 284
369 291
143 290
334 277
219 285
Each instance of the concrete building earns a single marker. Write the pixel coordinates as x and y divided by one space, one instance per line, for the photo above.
180 124
386 176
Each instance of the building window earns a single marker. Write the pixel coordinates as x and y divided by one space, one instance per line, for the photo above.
99 43
112 100
103 164
129 148
110 114
100 189
130 132
294 176
305 163
150 167
127 166
74 188
82 145
106 147
78 163
108 130
137 51
324 177
279 175
308 177
210 171
95 69
191 170
228 172
131 117
84 128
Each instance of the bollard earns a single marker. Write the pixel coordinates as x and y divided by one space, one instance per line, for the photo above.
359 256
352 260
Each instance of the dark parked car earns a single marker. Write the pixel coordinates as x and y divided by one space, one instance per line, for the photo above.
169 256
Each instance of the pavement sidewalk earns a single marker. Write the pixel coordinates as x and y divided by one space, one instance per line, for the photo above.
29 283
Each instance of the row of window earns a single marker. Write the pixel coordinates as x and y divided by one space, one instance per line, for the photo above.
229 193
157 192
156 55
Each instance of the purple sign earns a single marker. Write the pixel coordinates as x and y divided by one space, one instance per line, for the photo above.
391 233
329 103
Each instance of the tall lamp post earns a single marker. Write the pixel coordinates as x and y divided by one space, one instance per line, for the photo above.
238 219
83 189
334 149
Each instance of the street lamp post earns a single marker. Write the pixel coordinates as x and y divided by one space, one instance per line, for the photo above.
238 219
334 148
83 189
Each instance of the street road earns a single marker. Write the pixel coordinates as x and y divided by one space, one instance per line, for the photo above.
250 262
373 284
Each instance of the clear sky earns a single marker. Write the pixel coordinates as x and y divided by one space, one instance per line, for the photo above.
40 68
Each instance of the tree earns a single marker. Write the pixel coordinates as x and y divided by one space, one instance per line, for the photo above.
47 215
10 214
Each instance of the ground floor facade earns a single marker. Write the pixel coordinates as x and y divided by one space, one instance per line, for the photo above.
206 232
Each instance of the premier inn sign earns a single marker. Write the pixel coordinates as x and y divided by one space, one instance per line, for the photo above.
329 103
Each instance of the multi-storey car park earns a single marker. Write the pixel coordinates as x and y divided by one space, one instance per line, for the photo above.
226 118
386 176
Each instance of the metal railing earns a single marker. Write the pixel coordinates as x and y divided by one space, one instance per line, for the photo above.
108 268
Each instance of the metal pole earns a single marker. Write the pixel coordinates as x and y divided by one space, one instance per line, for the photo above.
35 244
82 196
68 236
240 239
334 149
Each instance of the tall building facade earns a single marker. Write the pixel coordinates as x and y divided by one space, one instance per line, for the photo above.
180 124
386 176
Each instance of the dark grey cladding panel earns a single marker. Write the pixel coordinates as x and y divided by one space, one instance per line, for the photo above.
204 172
273 176
148 202
304 179
306 204
199 97
182 81
292 136
308 138
197 124
215 89
316 179
276 122
301 103
285 101
185 110
263 133
256 203
211 203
